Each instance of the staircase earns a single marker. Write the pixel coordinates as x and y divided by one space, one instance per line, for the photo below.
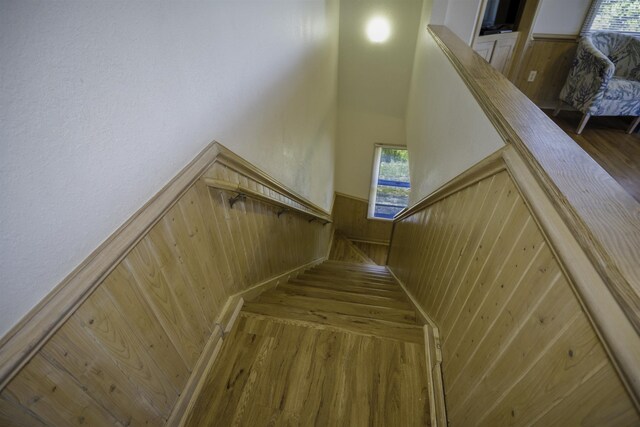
338 345
356 298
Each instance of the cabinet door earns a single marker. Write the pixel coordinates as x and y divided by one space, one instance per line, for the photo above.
502 54
485 49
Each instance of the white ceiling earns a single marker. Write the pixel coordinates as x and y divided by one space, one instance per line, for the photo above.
375 77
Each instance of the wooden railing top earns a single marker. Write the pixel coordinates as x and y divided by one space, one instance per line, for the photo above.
601 215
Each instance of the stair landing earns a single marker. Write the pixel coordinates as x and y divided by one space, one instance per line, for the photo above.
339 345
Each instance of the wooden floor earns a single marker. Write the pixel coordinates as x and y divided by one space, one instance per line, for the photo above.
606 140
338 346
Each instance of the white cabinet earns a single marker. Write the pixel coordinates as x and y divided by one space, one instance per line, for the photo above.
497 49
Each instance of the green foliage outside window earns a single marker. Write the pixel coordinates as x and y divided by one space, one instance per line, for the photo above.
394 166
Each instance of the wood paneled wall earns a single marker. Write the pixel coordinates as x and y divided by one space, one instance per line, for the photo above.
350 218
376 251
370 235
125 354
517 346
551 58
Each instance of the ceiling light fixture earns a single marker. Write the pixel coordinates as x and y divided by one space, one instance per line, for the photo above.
378 30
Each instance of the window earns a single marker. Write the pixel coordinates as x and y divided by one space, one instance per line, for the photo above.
613 15
390 182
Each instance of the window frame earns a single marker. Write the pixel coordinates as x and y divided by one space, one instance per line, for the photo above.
591 16
375 170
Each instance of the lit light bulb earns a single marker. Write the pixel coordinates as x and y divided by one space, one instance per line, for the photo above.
378 30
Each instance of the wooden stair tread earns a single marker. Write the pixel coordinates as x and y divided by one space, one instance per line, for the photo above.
382 271
351 265
274 371
350 288
351 278
344 307
355 275
346 281
331 294
361 325
347 284
338 276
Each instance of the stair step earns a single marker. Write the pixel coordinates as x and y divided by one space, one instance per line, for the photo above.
342 307
355 266
332 294
364 290
329 279
352 276
360 325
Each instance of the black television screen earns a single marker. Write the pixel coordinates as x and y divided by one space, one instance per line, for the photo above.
500 16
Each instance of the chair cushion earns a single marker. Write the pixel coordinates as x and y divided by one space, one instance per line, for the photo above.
623 89
622 97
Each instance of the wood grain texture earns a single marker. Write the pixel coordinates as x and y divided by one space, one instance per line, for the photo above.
126 352
343 249
28 336
602 216
551 58
518 347
377 252
350 218
369 235
296 360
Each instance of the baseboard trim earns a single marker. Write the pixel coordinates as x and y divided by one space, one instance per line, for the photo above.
331 239
433 353
224 324
195 381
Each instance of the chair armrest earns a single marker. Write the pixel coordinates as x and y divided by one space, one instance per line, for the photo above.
588 78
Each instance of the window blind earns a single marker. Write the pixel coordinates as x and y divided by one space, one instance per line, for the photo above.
613 15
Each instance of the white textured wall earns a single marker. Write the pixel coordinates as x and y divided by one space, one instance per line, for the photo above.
373 86
461 18
561 16
103 102
359 131
447 131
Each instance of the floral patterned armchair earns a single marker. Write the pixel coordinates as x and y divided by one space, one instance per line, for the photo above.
604 79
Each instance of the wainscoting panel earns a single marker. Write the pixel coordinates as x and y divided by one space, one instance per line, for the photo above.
518 348
371 236
551 57
125 354
350 218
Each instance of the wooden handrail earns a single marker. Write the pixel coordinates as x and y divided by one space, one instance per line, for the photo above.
236 163
601 215
245 191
